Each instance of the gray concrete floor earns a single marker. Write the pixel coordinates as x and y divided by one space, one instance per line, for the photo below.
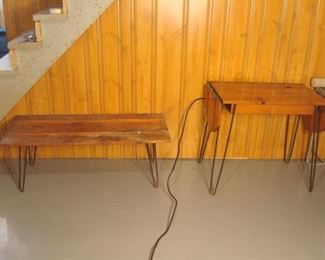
106 209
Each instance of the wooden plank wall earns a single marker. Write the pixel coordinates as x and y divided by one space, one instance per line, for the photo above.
155 56
19 14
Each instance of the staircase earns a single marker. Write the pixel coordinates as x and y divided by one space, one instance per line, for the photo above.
31 54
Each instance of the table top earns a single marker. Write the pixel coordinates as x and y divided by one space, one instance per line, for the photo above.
266 93
42 130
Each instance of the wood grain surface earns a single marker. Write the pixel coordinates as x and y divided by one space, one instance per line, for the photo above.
53 130
146 56
263 98
260 93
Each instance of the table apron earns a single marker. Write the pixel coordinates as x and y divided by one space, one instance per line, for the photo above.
273 109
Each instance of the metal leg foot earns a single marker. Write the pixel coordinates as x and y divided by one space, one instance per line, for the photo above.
152 157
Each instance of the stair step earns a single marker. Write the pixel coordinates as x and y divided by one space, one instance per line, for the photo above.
8 65
50 14
23 41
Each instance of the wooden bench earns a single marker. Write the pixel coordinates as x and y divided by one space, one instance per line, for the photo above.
27 132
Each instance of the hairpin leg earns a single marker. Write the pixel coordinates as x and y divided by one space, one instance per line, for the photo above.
25 156
22 168
319 161
308 150
31 155
152 157
287 155
314 145
204 141
212 188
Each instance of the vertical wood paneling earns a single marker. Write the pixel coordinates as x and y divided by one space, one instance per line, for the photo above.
153 61
142 59
110 67
38 102
75 85
237 35
57 97
263 72
216 40
154 56
92 77
169 49
194 69
126 26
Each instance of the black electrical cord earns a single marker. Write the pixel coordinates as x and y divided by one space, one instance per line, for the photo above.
175 202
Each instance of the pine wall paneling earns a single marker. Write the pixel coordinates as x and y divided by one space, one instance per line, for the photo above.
154 56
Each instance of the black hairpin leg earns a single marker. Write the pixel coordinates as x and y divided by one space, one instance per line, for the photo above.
31 155
25 155
213 187
152 157
314 149
22 168
287 153
204 141
319 161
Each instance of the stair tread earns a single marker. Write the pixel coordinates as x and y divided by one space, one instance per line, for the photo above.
22 42
50 14
6 65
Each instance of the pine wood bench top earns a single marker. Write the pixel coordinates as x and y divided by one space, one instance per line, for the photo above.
48 130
